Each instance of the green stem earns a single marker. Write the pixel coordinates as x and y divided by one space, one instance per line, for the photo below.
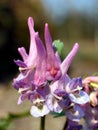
42 123
13 116
65 125
5 123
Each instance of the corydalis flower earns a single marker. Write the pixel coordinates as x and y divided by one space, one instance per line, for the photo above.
38 58
53 67
69 97
29 61
37 67
57 99
64 66
76 94
67 93
31 82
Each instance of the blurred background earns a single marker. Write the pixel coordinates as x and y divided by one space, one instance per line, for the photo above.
69 21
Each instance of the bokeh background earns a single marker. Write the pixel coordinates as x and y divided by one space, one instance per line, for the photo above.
69 21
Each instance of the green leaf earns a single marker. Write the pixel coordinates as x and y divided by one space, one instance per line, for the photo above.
56 115
95 74
5 124
59 46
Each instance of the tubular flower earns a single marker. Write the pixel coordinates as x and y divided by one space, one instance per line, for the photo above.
44 81
43 78
40 73
36 71
70 98
29 60
67 92
31 82
53 67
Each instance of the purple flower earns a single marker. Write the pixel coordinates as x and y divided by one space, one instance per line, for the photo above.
40 73
75 113
69 96
72 125
31 82
91 117
64 66
30 62
76 94
80 98
53 66
34 93
58 87
37 95
42 62
40 66
53 104
74 85
27 66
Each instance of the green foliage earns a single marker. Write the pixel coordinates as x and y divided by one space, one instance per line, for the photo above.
55 115
95 74
6 123
59 46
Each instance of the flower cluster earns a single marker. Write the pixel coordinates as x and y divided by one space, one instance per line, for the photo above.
44 80
90 85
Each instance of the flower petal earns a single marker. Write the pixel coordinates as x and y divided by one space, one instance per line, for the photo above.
31 61
82 98
53 105
75 114
37 112
23 53
40 74
20 63
66 63
53 68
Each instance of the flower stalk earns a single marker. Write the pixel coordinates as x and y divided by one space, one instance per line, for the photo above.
66 124
42 123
